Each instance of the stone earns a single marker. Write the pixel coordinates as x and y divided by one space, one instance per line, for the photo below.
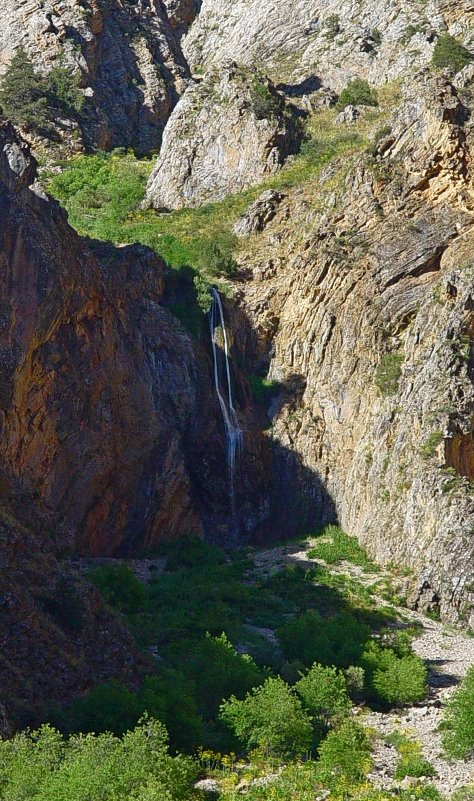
259 214
349 114
218 141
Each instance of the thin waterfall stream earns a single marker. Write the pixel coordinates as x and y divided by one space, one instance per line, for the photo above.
234 434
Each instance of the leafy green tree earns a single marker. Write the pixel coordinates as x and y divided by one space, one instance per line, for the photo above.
271 717
358 92
217 670
64 88
23 93
450 54
344 756
458 723
324 694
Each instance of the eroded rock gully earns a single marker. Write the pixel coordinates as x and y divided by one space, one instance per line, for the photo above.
364 315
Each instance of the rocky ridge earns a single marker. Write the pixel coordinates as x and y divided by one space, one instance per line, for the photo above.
370 306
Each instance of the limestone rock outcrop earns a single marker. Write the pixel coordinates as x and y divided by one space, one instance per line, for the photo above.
366 319
333 39
228 131
126 55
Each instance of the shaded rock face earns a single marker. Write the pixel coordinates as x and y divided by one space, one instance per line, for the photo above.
108 413
126 54
56 636
227 132
371 308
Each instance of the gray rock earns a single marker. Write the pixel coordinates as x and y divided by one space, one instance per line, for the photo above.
259 214
349 114
228 132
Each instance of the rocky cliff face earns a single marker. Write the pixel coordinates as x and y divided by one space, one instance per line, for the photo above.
126 55
325 38
229 131
371 307
107 408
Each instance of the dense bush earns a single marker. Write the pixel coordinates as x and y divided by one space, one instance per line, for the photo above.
119 586
394 679
337 641
344 756
358 92
41 766
271 718
412 762
450 54
323 691
458 724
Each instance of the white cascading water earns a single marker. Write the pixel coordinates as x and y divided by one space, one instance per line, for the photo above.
234 435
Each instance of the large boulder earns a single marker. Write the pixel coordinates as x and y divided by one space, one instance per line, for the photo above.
228 132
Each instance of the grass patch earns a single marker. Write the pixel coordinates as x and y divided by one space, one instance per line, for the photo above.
335 546
388 374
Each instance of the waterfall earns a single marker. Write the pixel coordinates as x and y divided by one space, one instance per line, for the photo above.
234 435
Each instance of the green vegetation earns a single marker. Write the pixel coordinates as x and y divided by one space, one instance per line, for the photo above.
120 587
42 765
335 546
263 389
323 691
412 762
394 674
332 26
265 102
458 723
270 718
388 373
429 447
344 756
450 54
358 92
32 100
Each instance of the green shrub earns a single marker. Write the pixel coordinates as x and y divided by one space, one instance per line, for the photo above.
323 691
271 718
394 679
337 641
412 762
344 755
263 389
388 373
358 92
41 765
430 445
450 54
119 586
264 102
458 723
335 546
332 26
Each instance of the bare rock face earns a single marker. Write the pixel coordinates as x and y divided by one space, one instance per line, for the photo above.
368 325
259 214
335 40
126 55
228 132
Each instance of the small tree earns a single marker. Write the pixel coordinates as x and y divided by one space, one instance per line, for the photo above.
271 717
64 89
324 694
358 92
450 54
344 756
23 93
